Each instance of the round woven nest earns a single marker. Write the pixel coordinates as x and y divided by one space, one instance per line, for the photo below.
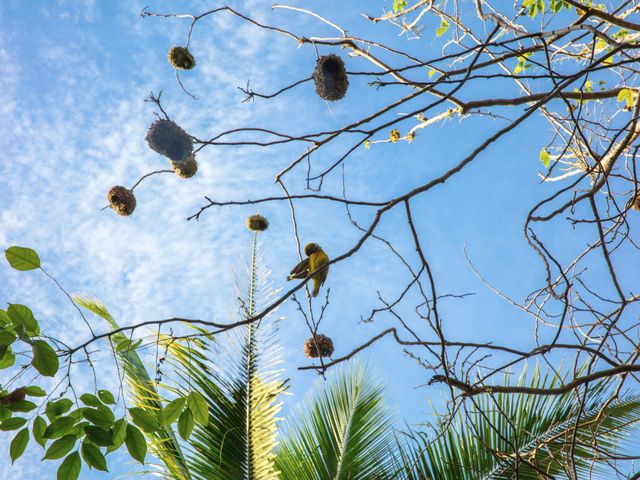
121 200
318 346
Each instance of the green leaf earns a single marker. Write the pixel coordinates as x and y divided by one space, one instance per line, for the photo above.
70 468
198 406
8 359
545 158
94 457
59 427
172 411
144 419
60 447
7 337
35 391
22 315
90 399
13 423
24 406
119 433
4 413
136 444
126 345
101 416
45 360
4 318
22 258
627 95
99 436
107 397
57 408
38 429
19 444
185 424
442 29
399 5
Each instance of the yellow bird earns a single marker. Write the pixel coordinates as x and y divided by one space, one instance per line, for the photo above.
316 259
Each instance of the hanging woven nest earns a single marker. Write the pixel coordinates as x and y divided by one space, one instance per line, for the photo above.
257 223
180 58
168 139
330 78
318 346
186 169
121 200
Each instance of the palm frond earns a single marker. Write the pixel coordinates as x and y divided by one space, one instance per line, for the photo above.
502 436
346 433
162 443
241 384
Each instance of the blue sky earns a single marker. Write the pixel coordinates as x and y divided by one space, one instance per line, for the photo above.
73 78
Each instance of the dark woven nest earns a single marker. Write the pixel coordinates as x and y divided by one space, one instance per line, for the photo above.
318 346
121 200
168 139
330 78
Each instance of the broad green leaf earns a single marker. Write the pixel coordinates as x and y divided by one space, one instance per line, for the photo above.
94 457
7 337
107 397
45 360
90 399
4 413
5 319
38 429
8 359
136 444
35 391
144 419
22 315
70 468
101 416
13 423
23 406
185 424
198 406
22 258
99 436
60 447
59 427
119 433
19 444
545 158
57 408
172 411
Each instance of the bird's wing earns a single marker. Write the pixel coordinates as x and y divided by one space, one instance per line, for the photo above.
320 259
300 271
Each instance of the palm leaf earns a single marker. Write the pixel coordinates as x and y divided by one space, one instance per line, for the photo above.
241 385
346 433
506 436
